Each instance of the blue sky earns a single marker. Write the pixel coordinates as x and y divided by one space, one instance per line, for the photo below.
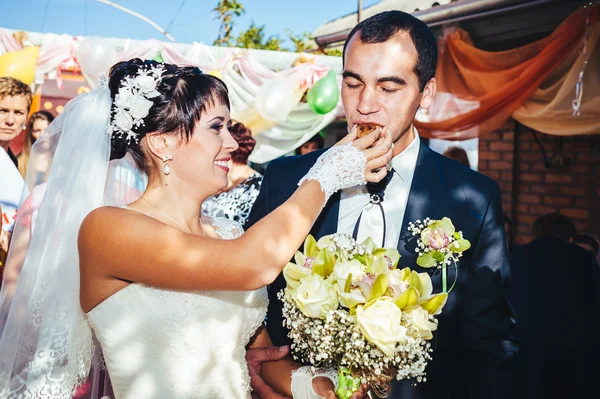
192 22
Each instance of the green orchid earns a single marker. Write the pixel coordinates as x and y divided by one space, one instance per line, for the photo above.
294 273
379 287
439 245
352 299
324 262
310 246
420 292
390 256
434 303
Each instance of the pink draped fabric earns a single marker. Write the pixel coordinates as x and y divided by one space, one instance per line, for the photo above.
8 41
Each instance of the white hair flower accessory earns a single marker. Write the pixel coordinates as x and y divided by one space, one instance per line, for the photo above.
132 102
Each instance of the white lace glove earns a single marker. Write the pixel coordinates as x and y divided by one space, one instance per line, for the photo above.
302 387
339 167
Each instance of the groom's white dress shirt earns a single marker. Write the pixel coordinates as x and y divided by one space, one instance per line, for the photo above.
356 199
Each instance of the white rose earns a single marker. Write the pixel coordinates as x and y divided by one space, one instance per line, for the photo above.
380 325
420 319
123 121
342 270
315 296
145 83
139 107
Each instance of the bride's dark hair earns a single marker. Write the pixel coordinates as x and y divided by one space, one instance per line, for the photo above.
185 94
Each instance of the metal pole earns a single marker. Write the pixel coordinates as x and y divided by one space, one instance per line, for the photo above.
359 13
140 16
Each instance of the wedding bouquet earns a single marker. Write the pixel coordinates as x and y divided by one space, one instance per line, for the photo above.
348 307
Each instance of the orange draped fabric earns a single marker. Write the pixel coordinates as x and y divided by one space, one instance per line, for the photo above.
501 82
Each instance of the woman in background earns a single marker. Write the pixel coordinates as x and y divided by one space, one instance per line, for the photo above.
315 143
236 200
38 122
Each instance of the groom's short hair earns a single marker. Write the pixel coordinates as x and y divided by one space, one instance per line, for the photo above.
381 27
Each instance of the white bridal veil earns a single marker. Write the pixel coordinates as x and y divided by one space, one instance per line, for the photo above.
46 345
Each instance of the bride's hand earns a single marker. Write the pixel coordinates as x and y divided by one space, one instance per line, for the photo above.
377 148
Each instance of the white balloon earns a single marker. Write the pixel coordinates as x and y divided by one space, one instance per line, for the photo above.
95 57
275 99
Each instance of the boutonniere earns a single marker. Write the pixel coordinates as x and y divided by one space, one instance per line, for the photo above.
439 245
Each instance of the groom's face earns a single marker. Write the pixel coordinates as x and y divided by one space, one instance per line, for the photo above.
381 86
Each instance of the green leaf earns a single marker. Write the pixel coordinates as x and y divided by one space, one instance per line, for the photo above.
379 287
365 259
438 256
463 245
407 299
347 384
310 247
426 260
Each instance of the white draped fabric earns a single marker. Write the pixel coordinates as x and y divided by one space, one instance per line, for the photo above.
244 71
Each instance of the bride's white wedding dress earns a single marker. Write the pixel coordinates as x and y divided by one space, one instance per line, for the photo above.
165 344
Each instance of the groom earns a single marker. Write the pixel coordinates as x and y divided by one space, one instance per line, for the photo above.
389 67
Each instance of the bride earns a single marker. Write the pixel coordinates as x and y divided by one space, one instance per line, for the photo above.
172 297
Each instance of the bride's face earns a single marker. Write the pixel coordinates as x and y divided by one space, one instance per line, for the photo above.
204 160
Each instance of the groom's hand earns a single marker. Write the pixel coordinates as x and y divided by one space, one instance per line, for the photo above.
255 357
324 387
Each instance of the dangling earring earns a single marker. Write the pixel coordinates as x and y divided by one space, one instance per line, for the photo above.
167 168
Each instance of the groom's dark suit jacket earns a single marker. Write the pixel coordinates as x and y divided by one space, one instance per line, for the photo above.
473 348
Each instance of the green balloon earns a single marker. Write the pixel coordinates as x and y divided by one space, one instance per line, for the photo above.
158 58
323 96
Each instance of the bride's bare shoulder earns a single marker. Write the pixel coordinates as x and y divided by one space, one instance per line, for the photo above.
107 221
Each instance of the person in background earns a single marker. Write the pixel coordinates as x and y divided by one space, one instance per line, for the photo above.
586 242
555 293
457 154
236 200
37 123
15 100
316 142
2 250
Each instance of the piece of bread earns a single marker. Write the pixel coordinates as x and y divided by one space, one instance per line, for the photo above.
364 129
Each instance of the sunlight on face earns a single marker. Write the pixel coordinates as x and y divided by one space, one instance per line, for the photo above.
13 114
204 159
380 84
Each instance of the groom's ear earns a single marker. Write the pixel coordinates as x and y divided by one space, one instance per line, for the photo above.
428 93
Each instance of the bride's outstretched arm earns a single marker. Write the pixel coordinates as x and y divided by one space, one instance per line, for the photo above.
133 247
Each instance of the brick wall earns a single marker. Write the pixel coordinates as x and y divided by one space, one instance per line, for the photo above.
571 185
